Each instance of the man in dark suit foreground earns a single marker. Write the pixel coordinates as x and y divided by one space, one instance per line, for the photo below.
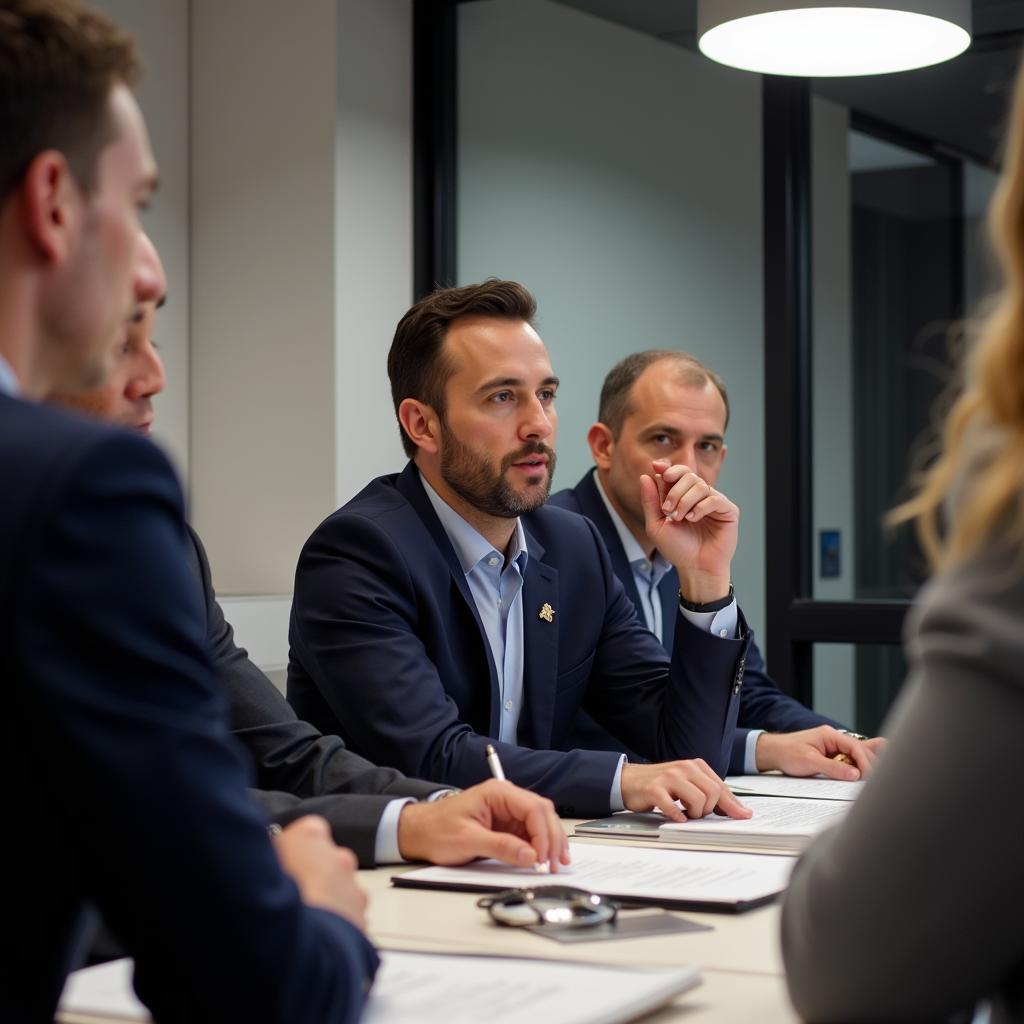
379 813
663 405
445 607
136 788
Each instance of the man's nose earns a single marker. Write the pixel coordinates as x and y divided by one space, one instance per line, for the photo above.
686 455
149 282
537 422
151 379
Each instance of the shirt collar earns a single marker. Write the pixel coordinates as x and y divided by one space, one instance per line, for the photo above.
8 382
471 547
634 553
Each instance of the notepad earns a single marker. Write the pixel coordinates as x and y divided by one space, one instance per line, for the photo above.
432 988
816 788
675 879
779 824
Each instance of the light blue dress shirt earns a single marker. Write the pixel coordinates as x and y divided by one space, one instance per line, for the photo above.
8 382
496 585
722 623
647 574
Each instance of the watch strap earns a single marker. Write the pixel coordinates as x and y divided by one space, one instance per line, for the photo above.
711 606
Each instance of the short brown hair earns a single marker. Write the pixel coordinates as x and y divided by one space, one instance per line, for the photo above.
417 367
59 61
614 406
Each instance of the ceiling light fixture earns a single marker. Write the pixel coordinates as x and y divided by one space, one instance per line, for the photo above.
831 38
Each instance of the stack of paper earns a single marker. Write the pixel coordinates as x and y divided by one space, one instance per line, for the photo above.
678 879
817 788
779 825
421 988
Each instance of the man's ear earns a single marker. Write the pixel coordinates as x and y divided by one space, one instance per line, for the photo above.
602 443
49 199
421 424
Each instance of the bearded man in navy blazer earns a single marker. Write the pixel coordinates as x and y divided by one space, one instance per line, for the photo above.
378 813
446 607
667 406
132 795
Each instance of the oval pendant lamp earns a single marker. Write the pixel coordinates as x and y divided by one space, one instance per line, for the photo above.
831 38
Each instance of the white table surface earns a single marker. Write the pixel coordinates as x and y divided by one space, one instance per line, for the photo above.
739 958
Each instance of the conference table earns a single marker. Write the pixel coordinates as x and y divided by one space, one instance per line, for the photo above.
739 958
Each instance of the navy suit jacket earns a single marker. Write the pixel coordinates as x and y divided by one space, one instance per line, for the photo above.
298 771
133 794
762 704
387 649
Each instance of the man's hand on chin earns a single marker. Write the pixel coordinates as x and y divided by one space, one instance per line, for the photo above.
695 527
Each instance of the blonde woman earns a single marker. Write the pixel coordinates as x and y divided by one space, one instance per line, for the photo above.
913 908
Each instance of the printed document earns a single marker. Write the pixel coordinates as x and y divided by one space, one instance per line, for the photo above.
668 878
779 823
421 988
817 788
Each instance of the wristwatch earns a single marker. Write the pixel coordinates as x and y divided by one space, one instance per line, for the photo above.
711 606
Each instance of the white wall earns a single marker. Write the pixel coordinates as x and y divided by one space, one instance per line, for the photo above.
373 244
162 29
619 178
284 218
302 265
263 308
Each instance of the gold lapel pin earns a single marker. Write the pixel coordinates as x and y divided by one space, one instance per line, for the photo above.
547 613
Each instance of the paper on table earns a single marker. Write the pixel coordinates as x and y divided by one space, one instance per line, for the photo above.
663 877
777 821
419 988
103 991
818 788
416 988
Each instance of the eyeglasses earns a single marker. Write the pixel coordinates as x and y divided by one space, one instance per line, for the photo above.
562 906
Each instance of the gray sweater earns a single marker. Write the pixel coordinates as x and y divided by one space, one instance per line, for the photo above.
913 907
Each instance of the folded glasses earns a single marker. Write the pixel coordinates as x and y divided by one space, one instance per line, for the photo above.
561 906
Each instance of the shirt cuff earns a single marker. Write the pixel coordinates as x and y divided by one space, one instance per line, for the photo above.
722 623
385 848
615 800
750 754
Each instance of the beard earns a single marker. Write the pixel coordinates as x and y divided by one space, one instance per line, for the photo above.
472 478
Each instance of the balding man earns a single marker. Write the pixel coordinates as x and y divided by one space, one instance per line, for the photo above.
663 407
